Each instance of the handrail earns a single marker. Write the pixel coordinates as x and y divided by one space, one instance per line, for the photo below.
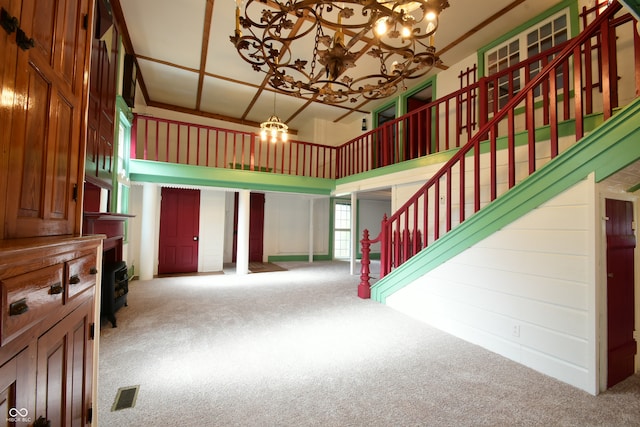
419 221
180 142
447 123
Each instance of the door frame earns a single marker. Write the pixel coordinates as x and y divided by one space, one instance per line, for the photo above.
196 227
601 296
254 227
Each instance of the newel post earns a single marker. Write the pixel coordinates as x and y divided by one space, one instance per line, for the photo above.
385 248
364 288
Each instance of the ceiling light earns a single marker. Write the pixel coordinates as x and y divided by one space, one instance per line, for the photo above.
274 129
338 51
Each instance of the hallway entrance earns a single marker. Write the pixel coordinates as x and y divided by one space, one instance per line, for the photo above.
621 243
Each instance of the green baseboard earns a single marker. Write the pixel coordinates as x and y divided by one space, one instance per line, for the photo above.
285 258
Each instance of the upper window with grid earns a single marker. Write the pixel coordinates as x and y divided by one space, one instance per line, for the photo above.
544 36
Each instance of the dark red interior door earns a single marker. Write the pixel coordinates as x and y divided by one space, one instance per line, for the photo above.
416 132
256 227
179 228
620 290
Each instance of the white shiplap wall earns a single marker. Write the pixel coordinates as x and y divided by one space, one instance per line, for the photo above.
526 292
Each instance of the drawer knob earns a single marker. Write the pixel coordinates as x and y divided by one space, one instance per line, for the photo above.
18 307
93 270
56 289
42 422
74 280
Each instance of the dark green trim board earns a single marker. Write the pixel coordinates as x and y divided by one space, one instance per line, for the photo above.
170 173
606 150
431 81
285 258
633 6
382 108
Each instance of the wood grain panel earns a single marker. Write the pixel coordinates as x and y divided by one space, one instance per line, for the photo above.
47 131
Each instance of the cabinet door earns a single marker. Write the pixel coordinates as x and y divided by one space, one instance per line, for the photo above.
8 54
65 364
47 123
16 403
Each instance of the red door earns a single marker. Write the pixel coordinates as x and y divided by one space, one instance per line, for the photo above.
620 293
417 129
179 228
256 227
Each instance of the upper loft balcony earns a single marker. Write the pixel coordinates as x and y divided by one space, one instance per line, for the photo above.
568 102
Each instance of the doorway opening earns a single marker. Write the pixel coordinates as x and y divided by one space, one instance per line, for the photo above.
419 126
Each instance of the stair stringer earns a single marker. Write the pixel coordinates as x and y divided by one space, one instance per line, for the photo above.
610 147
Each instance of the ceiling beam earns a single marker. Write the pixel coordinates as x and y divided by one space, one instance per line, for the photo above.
208 14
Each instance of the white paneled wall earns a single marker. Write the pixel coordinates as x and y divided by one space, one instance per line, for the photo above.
526 292
212 219
286 225
370 216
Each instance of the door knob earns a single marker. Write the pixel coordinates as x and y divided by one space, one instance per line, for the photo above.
195 238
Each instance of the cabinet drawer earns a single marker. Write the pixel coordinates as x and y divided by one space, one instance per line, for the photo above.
81 274
28 298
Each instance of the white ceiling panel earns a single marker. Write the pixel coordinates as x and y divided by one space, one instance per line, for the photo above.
167 35
168 31
219 96
169 85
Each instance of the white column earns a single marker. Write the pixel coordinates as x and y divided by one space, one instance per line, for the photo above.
242 256
354 231
311 230
148 230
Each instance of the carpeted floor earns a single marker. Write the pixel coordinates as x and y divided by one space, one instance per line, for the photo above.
298 348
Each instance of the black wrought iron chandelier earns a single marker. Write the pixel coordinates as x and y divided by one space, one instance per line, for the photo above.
338 51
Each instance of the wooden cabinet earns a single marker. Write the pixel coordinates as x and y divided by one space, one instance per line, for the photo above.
48 272
48 288
100 156
45 59
64 392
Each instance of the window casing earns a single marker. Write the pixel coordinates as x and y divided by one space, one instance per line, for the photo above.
535 40
342 230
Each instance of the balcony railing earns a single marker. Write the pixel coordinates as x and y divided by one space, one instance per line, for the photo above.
587 75
179 142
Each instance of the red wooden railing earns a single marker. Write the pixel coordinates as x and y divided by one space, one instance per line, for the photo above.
471 179
174 141
450 121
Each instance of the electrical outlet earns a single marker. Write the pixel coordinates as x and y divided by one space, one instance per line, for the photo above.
516 331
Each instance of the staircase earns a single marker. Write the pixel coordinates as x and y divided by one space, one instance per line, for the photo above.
534 147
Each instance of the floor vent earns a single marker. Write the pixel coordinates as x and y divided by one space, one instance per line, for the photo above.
125 398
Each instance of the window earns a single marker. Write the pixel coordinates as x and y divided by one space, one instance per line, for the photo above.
544 38
498 60
342 230
545 35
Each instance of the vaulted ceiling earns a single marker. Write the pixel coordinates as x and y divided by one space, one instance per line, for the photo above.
187 63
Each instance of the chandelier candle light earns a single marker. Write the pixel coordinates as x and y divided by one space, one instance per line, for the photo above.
309 48
274 128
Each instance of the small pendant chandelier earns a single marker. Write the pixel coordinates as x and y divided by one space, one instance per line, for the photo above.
274 129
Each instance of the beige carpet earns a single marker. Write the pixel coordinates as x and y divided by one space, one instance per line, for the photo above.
298 348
